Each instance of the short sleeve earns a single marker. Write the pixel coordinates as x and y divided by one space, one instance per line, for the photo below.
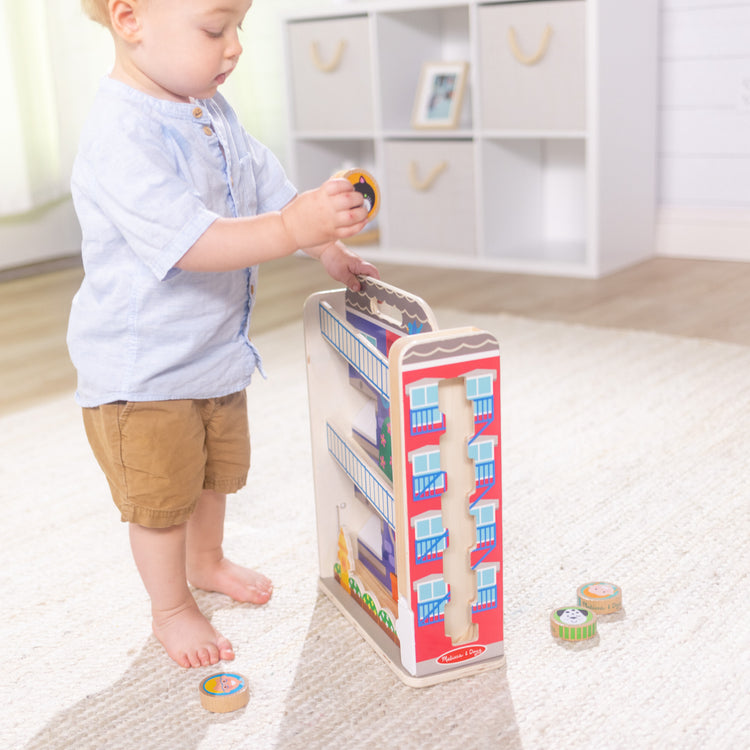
138 186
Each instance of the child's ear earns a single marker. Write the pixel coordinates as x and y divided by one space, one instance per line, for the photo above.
125 19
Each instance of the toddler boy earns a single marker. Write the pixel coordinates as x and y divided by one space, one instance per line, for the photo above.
178 205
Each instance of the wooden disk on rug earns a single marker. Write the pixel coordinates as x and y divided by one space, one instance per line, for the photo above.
601 597
364 183
223 692
573 623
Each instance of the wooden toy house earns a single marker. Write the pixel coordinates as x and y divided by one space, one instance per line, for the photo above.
405 423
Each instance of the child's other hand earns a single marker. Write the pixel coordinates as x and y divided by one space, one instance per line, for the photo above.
333 211
343 265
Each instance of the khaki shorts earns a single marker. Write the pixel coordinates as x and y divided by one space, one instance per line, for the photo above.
159 455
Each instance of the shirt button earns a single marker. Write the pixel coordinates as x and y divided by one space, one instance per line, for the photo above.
207 130
197 112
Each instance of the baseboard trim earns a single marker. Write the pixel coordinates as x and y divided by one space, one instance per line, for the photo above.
43 266
706 233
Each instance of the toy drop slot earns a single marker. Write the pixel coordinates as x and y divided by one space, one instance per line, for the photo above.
461 525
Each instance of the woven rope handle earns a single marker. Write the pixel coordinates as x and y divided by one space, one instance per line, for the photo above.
333 63
538 55
424 185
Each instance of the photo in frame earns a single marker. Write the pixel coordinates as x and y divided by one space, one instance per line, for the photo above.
439 95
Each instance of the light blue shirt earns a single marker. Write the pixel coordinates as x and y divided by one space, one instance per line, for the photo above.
150 177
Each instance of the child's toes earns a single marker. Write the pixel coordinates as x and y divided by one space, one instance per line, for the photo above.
205 657
225 650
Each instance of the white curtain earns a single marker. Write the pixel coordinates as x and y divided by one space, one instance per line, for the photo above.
51 57
29 131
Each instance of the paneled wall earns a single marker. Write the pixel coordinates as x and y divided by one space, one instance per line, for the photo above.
704 154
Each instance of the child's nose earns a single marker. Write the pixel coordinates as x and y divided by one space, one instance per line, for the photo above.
234 48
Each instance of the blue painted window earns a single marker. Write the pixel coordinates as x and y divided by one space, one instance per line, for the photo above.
485 517
431 590
432 596
424 410
486 577
428 528
478 386
424 395
486 589
482 451
430 538
485 514
428 479
427 463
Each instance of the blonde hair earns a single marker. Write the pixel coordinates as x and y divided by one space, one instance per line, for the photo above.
97 10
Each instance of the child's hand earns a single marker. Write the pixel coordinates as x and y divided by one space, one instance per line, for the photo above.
342 264
333 211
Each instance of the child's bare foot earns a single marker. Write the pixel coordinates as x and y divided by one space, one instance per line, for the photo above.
189 638
224 576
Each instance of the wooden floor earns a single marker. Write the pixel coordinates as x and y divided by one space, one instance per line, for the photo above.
687 298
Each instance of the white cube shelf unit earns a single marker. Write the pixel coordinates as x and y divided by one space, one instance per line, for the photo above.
551 165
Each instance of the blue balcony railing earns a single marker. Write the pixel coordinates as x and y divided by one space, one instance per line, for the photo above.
485 535
366 360
486 599
432 484
432 611
364 476
484 409
426 420
427 550
484 472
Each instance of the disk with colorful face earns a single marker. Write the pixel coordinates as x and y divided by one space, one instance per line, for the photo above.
223 692
365 184
573 623
601 597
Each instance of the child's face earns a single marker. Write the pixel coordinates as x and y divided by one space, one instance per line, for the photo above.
187 48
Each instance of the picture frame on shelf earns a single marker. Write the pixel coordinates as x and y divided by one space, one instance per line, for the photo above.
439 96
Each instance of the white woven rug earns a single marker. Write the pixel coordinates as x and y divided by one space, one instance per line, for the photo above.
625 459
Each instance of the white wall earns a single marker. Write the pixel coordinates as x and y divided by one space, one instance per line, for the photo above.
704 149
